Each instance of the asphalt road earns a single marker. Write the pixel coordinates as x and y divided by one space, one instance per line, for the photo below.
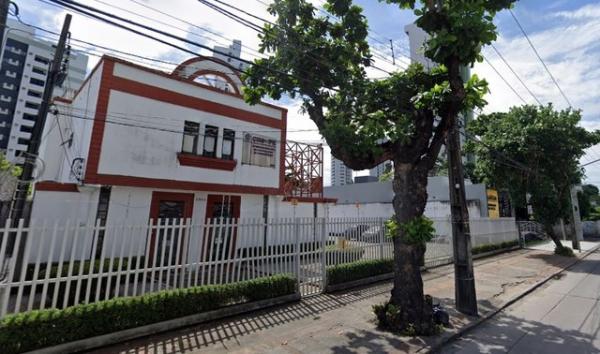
561 317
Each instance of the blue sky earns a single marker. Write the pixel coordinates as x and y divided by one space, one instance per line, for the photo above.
565 32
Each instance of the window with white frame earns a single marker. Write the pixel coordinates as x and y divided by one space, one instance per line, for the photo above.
259 150
209 148
191 131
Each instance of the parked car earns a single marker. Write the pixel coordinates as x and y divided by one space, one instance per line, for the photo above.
351 233
373 234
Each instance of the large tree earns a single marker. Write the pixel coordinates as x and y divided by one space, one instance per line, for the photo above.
405 118
533 150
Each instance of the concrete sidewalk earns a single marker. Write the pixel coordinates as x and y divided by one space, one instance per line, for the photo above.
343 322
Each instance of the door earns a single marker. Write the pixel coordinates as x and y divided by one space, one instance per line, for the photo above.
169 210
221 210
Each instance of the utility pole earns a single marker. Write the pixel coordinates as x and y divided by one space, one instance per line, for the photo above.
54 71
464 280
4 5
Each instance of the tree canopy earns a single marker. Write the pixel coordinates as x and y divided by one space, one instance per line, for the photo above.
533 150
404 117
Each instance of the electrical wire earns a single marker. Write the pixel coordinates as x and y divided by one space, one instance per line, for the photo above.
539 57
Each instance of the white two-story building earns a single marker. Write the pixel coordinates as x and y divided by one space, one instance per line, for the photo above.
136 144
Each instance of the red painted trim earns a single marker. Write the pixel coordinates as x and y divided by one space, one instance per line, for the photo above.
87 79
206 162
51 186
62 99
212 199
117 180
282 147
198 73
181 79
187 199
99 121
200 58
310 199
109 81
179 99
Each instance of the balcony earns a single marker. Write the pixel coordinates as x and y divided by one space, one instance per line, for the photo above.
213 163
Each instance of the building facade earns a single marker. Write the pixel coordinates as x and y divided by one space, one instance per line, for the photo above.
340 173
23 74
148 145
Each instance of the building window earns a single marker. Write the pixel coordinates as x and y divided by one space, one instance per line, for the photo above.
32 105
13 62
42 60
191 131
37 82
4 111
30 117
8 86
210 141
11 74
5 98
228 144
38 70
23 141
34 94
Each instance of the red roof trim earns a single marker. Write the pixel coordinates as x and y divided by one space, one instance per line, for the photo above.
51 186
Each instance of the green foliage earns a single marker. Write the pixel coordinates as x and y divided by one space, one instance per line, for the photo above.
323 62
64 270
42 328
457 28
494 247
588 199
549 143
392 317
564 251
6 166
343 273
417 231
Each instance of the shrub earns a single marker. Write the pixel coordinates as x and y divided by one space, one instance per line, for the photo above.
564 251
344 273
42 328
494 247
333 254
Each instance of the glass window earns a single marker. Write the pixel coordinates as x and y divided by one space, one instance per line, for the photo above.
191 131
210 141
8 86
37 82
228 144
32 105
38 71
34 93
42 60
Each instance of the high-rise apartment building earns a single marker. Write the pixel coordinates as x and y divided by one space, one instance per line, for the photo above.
340 173
23 74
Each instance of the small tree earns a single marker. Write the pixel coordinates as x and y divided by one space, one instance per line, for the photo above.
404 118
539 155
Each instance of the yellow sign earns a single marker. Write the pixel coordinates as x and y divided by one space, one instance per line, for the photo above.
294 201
493 204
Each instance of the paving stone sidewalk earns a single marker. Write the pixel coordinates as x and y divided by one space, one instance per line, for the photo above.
343 322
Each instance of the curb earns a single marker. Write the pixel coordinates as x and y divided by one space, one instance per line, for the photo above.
434 348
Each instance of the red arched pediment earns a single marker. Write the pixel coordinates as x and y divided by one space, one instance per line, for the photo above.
210 71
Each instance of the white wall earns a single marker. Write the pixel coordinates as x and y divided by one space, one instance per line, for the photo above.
63 209
433 209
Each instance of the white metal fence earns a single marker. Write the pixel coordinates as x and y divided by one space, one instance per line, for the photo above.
55 265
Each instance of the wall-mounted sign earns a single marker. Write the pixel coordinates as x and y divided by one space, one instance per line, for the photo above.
259 151
493 204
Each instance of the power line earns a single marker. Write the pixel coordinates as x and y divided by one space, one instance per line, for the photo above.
516 75
539 57
505 81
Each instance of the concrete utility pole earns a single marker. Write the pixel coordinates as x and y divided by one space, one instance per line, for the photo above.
54 71
576 218
4 5
464 280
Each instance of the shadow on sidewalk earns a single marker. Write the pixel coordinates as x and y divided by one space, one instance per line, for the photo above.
506 333
585 265
207 334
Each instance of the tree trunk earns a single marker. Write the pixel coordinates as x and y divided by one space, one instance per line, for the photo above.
550 231
410 197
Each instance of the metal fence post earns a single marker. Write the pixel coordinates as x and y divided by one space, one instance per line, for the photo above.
297 249
382 237
323 253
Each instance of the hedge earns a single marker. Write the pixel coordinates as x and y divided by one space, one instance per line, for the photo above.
106 267
494 247
43 328
347 272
